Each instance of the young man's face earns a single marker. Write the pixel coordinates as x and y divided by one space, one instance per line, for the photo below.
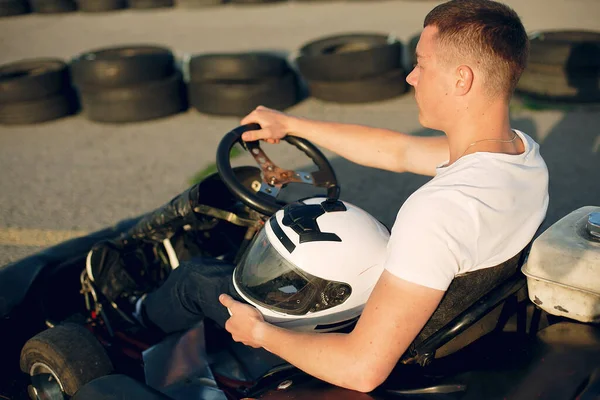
432 80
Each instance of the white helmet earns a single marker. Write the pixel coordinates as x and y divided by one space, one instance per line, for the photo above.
314 265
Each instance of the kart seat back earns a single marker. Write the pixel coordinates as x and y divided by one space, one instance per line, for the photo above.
462 297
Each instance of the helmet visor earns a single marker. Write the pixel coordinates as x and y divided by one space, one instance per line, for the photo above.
269 279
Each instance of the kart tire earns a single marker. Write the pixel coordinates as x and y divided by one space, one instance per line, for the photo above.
386 86
553 82
9 8
144 4
32 79
142 102
242 66
577 49
100 5
349 57
122 66
36 111
71 352
198 3
240 98
52 6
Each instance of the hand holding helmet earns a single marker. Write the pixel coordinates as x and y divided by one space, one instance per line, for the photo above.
245 322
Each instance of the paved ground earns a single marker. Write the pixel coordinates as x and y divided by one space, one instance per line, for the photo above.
73 174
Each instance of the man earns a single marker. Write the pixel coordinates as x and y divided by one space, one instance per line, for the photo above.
488 196
484 204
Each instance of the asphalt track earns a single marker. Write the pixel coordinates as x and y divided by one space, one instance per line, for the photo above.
67 177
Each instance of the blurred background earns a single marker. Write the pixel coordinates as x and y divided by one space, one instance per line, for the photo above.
71 175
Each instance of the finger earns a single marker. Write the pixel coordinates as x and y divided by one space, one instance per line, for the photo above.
226 300
250 118
256 135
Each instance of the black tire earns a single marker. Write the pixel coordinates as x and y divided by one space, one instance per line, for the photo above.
40 110
52 6
349 57
198 3
577 49
255 1
142 102
71 352
555 83
144 4
238 99
100 5
382 87
9 8
243 66
32 79
122 66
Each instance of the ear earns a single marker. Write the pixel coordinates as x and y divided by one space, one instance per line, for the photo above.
464 80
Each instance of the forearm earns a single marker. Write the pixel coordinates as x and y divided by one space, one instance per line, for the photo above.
374 147
330 357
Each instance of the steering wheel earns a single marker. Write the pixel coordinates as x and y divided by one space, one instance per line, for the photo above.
273 177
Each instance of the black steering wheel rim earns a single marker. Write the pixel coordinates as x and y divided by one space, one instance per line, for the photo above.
261 202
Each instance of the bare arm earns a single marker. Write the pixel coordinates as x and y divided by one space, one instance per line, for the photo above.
371 147
395 313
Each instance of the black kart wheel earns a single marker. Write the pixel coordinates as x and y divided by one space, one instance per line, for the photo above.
121 66
274 178
133 103
32 79
63 359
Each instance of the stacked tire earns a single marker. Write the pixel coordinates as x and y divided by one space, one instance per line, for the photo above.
353 68
564 66
9 8
235 84
35 90
52 6
128 84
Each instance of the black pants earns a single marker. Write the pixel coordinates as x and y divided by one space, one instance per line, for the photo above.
190 293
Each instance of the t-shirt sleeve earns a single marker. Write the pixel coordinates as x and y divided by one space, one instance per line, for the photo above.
430 241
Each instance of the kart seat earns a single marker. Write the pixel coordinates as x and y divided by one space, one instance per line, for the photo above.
468 298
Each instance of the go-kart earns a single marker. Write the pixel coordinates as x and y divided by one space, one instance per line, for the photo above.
511 334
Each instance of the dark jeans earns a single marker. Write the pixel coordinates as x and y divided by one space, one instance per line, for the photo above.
190 293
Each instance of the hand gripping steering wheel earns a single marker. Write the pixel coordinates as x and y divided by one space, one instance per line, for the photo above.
273 177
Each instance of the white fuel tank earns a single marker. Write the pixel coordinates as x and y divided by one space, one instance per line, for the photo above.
563 268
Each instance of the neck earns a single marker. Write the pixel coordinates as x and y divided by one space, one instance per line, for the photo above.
480 124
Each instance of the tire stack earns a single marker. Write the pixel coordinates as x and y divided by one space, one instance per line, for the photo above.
52 6
353 68
9 8
564 66
235 84
147 4
35 90
100 5
128 84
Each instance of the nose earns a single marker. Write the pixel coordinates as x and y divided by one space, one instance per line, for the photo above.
411 79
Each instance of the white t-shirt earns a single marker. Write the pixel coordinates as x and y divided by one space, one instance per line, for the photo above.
476 213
